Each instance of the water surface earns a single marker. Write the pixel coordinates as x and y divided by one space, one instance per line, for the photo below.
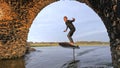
59 57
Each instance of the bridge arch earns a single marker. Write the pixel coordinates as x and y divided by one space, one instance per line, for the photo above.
16 18
50 21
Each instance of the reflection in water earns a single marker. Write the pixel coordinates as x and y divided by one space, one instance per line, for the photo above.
17 63
86 57
71 64
87 51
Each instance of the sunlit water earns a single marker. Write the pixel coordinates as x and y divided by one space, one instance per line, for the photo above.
59 57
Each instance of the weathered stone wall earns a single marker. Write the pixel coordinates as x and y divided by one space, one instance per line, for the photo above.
109 11
13 31
16 17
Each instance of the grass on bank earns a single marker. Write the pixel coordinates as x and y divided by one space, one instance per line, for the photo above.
45 44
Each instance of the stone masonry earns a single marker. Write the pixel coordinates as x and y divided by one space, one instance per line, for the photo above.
16 17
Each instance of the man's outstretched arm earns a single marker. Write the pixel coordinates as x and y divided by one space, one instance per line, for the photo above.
73 19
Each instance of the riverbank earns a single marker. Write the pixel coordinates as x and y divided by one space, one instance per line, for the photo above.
82 43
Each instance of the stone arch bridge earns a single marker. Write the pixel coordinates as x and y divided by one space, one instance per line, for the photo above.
16 17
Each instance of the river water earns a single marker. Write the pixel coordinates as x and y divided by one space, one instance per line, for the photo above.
59 57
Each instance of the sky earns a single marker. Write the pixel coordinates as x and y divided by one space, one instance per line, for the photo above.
48 26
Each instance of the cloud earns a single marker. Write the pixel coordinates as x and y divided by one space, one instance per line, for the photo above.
91 33
92 36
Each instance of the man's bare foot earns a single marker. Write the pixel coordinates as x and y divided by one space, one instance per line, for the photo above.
72 43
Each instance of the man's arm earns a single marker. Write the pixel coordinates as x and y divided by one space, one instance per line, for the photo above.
73 19
66 29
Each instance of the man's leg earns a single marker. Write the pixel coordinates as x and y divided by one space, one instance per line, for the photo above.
70 36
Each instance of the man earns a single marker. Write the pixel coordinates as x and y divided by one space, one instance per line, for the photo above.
69 25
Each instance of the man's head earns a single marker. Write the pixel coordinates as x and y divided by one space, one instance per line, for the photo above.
65 18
